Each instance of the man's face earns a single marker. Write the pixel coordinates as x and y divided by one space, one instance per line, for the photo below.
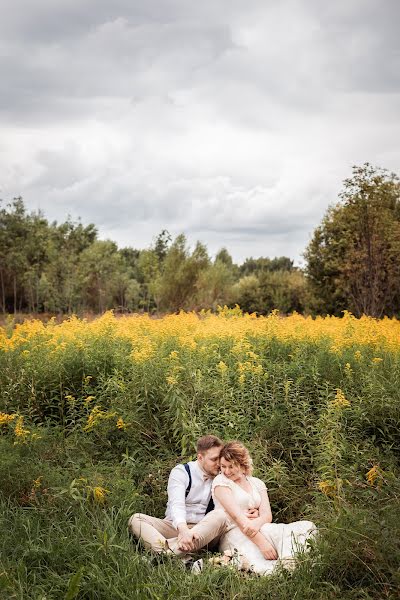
209 460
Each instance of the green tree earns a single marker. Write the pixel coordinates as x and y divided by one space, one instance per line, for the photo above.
60 283
269 290
214 286
353 259
177 284
102 272
23 239
256 265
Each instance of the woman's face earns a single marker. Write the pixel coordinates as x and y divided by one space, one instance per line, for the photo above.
231 470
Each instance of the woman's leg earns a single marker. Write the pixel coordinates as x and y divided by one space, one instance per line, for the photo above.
288 539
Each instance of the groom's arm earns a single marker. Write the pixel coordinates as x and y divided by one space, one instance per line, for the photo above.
177 484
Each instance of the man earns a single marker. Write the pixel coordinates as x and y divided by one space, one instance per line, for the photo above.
189 523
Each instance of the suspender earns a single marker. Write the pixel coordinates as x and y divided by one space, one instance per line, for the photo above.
210 505
187 469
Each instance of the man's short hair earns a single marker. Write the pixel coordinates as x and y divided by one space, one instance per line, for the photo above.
208 441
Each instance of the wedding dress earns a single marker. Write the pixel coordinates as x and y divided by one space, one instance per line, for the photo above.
287 539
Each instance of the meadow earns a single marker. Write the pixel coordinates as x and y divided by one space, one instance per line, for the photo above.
93 415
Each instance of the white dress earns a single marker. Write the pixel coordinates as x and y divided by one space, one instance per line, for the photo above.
287 539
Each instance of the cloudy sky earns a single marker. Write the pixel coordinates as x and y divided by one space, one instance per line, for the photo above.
234 122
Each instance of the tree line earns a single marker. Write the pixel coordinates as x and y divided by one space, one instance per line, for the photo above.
352 263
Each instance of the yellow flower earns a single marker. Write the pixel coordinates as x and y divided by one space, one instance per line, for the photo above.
357 355
242 379
347 369
5 418
96 416
377 360
257 369
121 424
88 400
327 488
20 431
222 368
171 380
373 475
340 401
99 494
174 355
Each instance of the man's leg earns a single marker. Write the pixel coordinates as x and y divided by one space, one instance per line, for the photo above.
208 531
152 531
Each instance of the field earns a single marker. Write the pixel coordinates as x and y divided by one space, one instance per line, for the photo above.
93 415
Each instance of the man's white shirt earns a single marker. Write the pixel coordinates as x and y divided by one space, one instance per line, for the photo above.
192 508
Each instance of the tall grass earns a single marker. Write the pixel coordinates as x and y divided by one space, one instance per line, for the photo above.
94 415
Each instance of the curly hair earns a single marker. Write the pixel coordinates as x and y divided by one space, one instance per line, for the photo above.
238 454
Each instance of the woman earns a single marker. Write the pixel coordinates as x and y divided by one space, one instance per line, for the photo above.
258 544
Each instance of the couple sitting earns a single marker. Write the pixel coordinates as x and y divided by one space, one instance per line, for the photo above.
215 502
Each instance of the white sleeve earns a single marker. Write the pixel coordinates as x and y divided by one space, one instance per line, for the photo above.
221 480
177 484
260 485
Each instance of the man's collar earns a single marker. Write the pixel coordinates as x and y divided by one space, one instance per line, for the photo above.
204 475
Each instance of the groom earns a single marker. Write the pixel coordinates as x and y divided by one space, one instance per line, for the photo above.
190 522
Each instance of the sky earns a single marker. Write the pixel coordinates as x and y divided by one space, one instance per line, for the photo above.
232 122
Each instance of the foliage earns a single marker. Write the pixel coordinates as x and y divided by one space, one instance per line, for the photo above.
353 260
93 415
65 269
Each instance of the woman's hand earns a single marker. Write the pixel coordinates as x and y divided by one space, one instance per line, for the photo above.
268 551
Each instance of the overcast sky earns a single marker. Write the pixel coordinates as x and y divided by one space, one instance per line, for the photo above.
233 122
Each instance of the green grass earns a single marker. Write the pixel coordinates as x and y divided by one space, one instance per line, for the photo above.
57 543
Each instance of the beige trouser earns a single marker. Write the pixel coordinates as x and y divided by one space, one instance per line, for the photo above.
160 535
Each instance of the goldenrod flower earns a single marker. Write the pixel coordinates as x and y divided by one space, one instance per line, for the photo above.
373 475
88 400
347 369
37 482
99 494
377 360
121 424
96 416
327 488
5 418
20 432
340 401
222 368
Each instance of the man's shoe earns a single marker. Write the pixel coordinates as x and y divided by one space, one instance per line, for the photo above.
197 566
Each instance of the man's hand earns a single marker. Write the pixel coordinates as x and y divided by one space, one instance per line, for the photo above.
252 513
252 527
186 539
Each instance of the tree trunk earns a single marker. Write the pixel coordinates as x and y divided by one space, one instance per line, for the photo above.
15 295
3 293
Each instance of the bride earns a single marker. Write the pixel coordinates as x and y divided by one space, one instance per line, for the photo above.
258 544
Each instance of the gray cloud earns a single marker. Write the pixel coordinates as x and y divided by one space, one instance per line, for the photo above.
233 123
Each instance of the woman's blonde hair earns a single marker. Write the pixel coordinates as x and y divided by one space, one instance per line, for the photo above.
238 454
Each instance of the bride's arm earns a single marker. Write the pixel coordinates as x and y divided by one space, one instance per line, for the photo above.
265 513
225 498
